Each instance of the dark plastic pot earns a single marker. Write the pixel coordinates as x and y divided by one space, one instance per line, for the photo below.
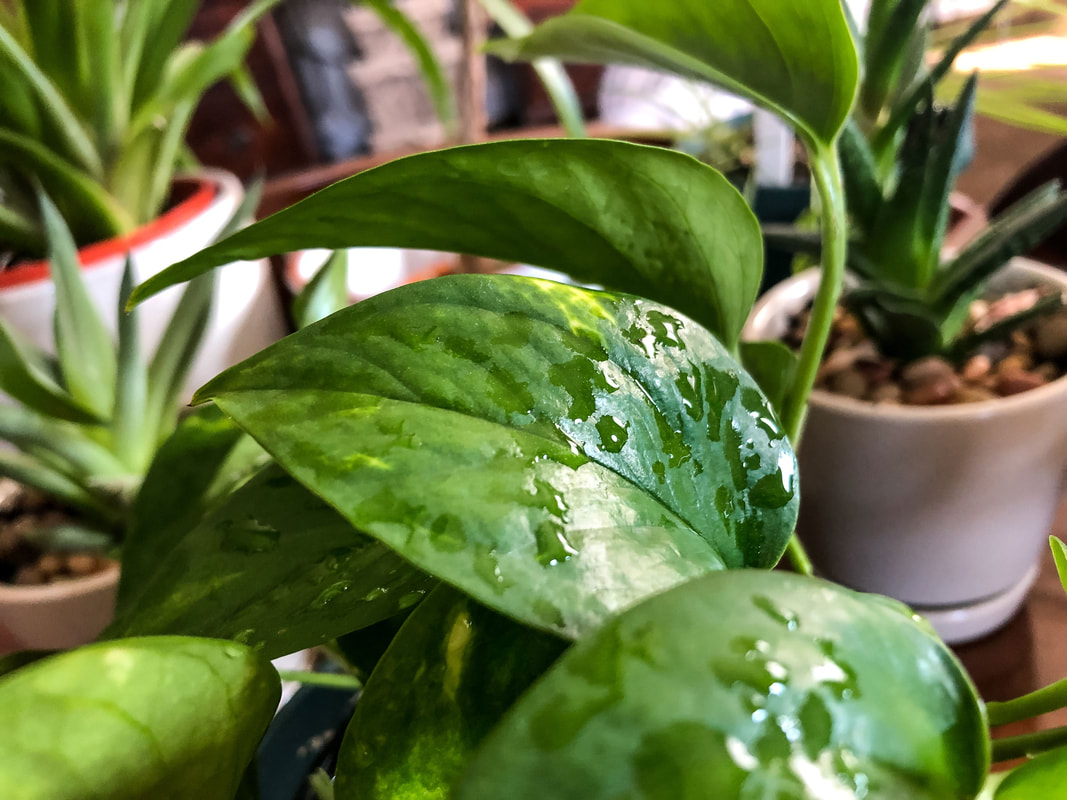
304 736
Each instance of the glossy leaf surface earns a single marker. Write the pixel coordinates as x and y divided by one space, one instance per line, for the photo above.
273 567
451 673
796 58
1044 777
557 453
159 717
638 219
206 456
744 684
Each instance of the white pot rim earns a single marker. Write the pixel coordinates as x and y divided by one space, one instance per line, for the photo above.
61 590
1018 404
212 185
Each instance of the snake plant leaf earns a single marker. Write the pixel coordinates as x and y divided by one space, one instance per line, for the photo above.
797 59
97 212
638 219
1023 225
65 127
25 375
84 348
295 574
70 448
156 37
451 673
170 717
205 458
744 684
133 440
860 174
1044 776
901 327
35 472
557 84
325 293
772 365
433 74
1059 553
885 49
555 452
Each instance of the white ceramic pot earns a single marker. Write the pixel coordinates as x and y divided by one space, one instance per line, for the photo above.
58 616
246 315
947 508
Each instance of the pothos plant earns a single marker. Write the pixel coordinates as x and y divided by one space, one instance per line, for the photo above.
574 496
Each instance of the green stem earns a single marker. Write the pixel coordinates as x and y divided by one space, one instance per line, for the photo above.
1028 744
1051 698
330 680
826 172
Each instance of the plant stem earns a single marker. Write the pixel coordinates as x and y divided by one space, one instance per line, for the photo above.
330 680
1028 744
1050 698
826 172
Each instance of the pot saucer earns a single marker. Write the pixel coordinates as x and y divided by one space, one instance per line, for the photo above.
961 624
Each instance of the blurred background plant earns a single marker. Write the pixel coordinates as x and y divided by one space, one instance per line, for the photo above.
97 99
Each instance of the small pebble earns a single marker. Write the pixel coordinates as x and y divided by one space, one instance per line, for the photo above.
886 394
51 564
976 368
974 394
29 576
82 563
933 392
1010 383
849 383
1051 337
845 357
926 371
1048 371
1016 362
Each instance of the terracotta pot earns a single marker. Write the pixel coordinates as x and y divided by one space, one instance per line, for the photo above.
947 508
58 616
246 315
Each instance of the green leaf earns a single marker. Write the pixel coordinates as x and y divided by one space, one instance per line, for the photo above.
901 327
272 567
176 351
433 74
1043 777
741 685
553 76
903 109
1001 330
885 50
64 123
325 293
1059 553
1019 228
93 213
205 458
862 187
34 472
24 375
638 219
555 452
363 649
20 659
451 673
154 37
797 59
134 441
74 447
773 366
160 717
83 345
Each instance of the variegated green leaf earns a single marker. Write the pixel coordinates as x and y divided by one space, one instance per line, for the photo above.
557 453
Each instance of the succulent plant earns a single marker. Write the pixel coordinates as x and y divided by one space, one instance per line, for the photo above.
901 155
97 99
86 423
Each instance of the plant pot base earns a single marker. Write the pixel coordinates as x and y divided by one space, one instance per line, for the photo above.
965 623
